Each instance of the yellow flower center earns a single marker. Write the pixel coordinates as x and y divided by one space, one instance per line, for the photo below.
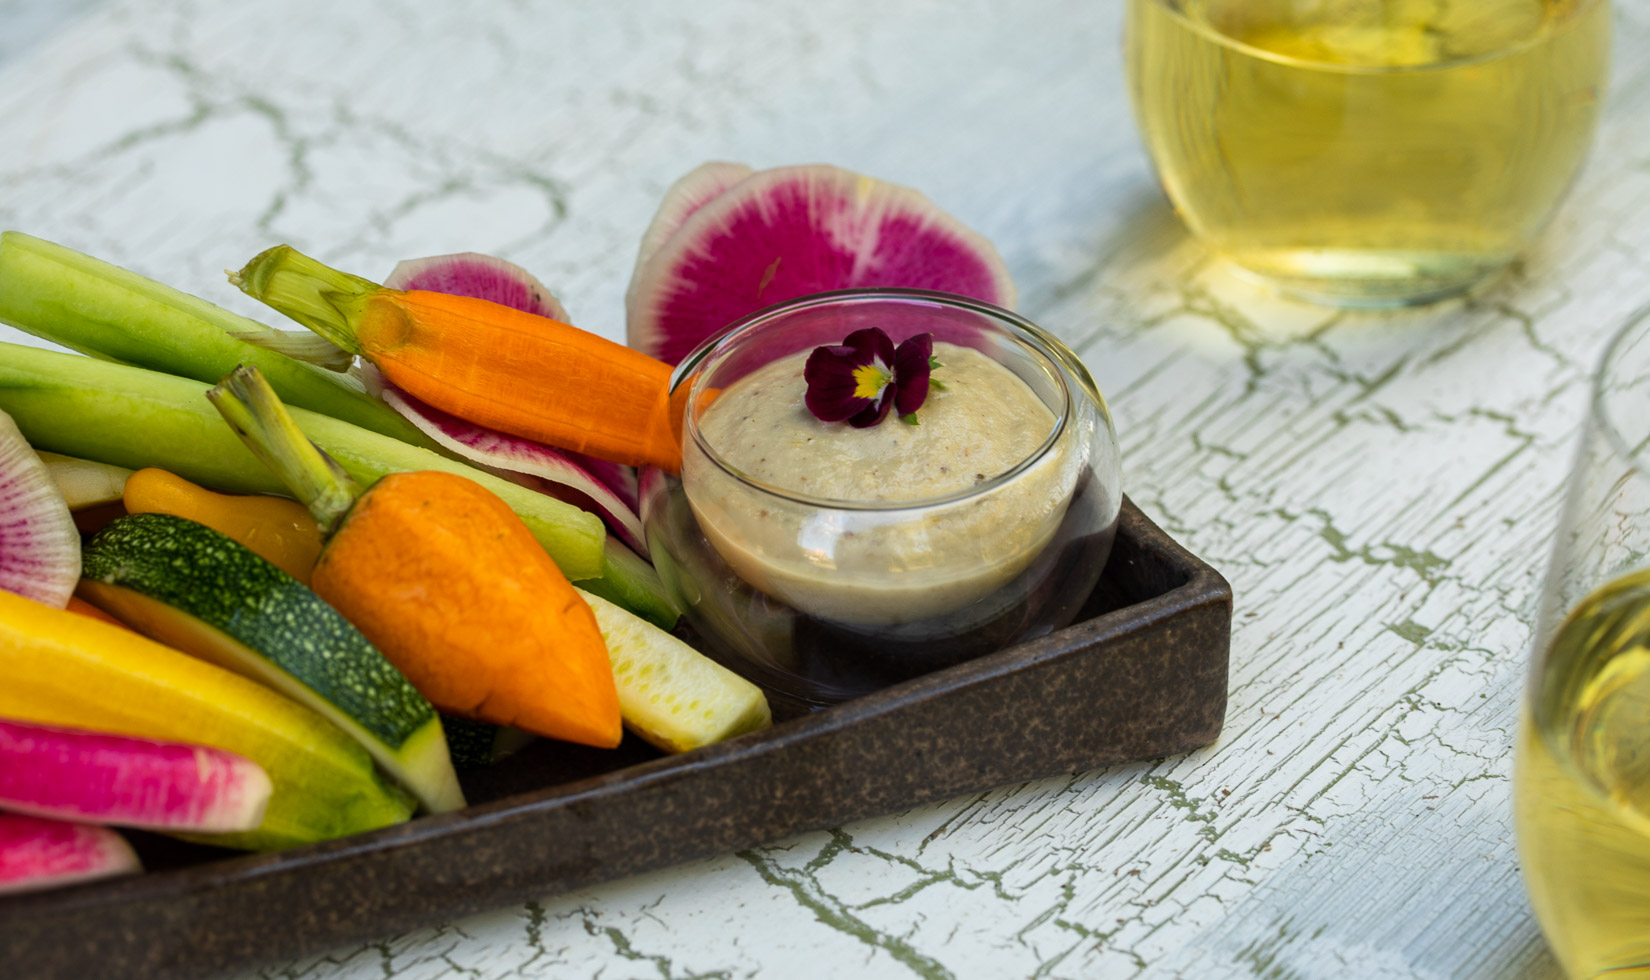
869 380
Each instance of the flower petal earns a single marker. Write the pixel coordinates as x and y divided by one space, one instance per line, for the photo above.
858 380
911 367
872 344
829 373
874 413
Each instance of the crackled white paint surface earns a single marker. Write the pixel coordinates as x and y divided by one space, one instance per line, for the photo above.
1378 488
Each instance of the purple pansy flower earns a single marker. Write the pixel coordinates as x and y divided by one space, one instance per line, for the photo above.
861 379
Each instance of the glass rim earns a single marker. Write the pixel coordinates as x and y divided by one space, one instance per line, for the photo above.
1171 8
1638 459
1022 331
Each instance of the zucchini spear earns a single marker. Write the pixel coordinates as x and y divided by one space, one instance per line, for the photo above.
193 589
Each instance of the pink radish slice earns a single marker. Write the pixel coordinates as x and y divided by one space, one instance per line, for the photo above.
39 545
81 775
617 477
793 231
532 464
36 852
482 276
692 192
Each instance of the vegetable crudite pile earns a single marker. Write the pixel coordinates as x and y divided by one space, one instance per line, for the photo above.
264 587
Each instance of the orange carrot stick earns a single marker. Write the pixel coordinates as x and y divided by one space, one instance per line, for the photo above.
446 581
493 365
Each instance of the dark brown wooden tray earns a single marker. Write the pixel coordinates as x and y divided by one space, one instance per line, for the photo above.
1141 675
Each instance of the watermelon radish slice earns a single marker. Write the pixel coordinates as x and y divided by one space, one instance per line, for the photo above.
39 544
558 473
617 477
81 775
780 234
36 852
687 195
482 276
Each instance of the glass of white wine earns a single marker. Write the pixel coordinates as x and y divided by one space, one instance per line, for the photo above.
1582 783
1368 152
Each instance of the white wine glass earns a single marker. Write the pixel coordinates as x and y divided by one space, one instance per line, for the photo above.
1367 152
1582 782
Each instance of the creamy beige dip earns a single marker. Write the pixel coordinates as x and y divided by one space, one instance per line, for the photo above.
891 563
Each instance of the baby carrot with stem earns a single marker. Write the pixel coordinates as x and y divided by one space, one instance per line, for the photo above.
490 364
445 580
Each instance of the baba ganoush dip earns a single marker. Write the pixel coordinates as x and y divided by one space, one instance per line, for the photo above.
888 524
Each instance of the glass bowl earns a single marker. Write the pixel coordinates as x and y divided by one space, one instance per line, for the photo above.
823 597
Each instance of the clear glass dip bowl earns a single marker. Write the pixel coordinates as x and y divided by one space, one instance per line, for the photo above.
820 599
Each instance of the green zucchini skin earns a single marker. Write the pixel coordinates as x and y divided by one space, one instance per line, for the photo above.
479 744
199 573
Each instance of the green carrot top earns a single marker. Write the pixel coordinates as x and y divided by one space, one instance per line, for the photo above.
251 407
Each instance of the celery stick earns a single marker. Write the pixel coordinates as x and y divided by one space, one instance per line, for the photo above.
628 580
127 416
96 308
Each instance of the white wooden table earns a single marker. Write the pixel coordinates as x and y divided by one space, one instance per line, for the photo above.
1379 489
